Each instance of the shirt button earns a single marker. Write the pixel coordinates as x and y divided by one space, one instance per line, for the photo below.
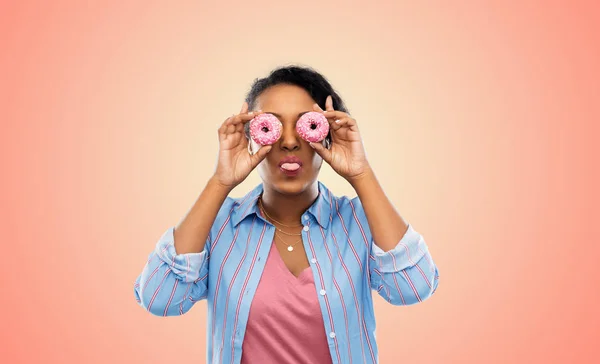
332 334
313 260
305 217
306 228
322 292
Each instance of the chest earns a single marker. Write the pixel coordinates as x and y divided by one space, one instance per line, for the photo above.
291 254
333 262
337 258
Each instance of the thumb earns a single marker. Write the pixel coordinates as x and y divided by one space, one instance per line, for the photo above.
322 151
244 108
260 154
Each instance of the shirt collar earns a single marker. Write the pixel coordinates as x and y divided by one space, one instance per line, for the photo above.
248 204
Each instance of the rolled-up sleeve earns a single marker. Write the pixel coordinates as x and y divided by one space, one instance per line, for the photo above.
171 283
406 274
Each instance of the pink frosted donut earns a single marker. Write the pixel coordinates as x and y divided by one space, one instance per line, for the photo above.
265 129
312 126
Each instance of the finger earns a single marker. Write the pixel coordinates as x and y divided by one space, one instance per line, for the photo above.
316 107
224 125
244 118
239 128
329 103
260 154
226 121
343 122
322 151
244 108
226 132
334 114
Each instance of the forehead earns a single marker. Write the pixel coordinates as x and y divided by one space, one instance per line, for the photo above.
284 99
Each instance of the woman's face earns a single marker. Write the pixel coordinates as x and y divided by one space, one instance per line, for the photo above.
287 103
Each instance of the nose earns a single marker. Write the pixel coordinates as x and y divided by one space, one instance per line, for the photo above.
289 138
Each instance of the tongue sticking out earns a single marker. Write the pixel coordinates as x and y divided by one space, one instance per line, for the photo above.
290 166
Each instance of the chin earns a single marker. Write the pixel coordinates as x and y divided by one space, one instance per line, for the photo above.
288 185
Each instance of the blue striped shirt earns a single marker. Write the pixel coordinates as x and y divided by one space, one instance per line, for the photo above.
346 265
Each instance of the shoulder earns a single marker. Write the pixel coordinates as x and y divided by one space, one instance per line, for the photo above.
337 202
233 205
349 218
349 204
345 207
235 209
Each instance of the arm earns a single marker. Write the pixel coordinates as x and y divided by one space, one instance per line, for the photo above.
387 226
176 274
192 231
401 268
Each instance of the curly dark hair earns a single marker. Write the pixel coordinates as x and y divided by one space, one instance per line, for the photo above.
307 78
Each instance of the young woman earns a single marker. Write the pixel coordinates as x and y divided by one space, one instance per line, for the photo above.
287 270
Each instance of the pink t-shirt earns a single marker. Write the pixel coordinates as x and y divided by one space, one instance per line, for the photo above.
285 324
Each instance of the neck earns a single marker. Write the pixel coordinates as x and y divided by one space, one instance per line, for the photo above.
286 208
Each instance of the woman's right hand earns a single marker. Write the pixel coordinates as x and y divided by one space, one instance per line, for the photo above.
235 162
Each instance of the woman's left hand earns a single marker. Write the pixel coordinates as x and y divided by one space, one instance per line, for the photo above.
346 155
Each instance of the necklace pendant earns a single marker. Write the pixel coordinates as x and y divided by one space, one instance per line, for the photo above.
290 248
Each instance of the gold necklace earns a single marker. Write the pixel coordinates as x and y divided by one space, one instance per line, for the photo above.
269 216
262 209
286 233
290 247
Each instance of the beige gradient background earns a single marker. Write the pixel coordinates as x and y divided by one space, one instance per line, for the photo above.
481 119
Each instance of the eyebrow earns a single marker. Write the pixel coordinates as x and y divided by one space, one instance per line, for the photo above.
279 116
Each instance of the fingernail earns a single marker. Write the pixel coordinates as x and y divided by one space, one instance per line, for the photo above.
250 113
337 121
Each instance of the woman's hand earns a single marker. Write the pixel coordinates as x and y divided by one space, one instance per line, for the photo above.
347 155
235 162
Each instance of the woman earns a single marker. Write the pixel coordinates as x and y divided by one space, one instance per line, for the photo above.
287 270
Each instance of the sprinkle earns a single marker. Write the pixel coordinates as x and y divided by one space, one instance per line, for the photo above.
265 129
312 127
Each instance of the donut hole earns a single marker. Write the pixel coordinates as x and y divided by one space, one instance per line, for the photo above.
265 129
313 126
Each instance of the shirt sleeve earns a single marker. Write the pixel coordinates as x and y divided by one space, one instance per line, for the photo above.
171 283
404 275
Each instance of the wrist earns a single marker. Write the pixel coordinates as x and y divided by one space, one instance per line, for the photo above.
218 186
362 178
